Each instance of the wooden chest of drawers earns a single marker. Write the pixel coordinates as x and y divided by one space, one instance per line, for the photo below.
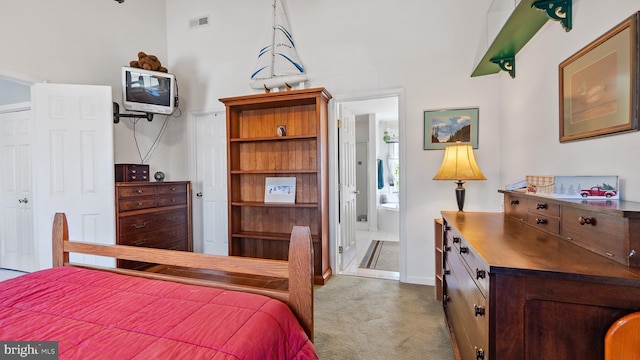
516 288
609 228
156 215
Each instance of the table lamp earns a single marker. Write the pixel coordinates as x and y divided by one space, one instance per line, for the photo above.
459 164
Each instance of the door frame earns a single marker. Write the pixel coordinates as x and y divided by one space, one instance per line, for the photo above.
334 203
30 81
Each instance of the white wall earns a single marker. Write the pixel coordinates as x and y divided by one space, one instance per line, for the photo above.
360 46
426 47
530 107
87 42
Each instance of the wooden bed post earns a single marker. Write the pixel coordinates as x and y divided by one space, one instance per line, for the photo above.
301 277
60 235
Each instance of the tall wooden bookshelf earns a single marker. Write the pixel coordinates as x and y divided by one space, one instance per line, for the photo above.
256 150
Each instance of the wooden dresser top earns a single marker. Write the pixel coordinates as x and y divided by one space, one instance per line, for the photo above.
510 246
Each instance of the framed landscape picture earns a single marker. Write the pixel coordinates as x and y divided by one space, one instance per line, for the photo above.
446 127
599 85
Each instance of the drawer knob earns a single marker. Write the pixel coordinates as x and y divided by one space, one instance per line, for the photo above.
586 220
480 274
456 239
479 353
464 250
541 221
478 310
445 298
514 202
540 206
140 191
447 248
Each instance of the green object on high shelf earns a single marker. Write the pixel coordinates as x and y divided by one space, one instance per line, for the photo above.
523 23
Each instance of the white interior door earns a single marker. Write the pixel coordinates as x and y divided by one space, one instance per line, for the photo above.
211 177
347 186
17 243
73 163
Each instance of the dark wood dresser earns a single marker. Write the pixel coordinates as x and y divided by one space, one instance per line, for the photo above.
153 214
545 281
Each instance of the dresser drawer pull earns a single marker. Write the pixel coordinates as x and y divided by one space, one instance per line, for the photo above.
514 202
464 250
173 189
139 226
447 248
447 272
133 171
479 353
447 228
173 233
541 206
446 298
478 310
139 242
140 191
586 221
541 221
480 274
456 239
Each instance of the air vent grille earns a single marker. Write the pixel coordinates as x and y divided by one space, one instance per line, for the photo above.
199 22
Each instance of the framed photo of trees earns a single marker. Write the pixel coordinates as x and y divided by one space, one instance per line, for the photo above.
448 126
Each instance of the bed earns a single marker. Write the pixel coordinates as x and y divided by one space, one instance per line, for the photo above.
128 314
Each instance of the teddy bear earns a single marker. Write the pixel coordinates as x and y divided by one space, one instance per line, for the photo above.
147 62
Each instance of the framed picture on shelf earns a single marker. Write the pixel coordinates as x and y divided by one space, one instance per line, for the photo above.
599 85
446 127
280 190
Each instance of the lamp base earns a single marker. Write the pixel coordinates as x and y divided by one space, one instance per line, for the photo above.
460 194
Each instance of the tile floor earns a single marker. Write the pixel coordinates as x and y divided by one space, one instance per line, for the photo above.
363 239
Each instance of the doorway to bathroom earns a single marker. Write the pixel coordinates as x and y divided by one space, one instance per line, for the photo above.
378 169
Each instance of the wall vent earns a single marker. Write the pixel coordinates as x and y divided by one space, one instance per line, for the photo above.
199 22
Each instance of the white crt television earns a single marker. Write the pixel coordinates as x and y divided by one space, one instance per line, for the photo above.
148 91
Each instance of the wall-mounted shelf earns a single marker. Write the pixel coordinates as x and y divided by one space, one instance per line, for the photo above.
523 23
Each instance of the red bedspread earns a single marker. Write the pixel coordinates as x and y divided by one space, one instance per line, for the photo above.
101 315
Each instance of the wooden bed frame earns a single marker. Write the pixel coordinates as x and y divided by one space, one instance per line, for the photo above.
297 272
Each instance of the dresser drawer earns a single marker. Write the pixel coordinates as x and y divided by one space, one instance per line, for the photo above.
544 223
151 222
137 204
167 189
515 207
595 231
467 311
543 207
475 266
136 191
173 200
174 238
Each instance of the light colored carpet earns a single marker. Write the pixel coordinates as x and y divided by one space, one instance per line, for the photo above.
382 255
363 318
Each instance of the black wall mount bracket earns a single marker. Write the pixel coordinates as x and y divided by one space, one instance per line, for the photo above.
117 115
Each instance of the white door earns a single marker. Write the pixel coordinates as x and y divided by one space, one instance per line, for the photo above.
17 243
73 166
347 186
211 180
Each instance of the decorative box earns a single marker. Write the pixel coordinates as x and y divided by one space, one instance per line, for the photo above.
574 187
132 172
